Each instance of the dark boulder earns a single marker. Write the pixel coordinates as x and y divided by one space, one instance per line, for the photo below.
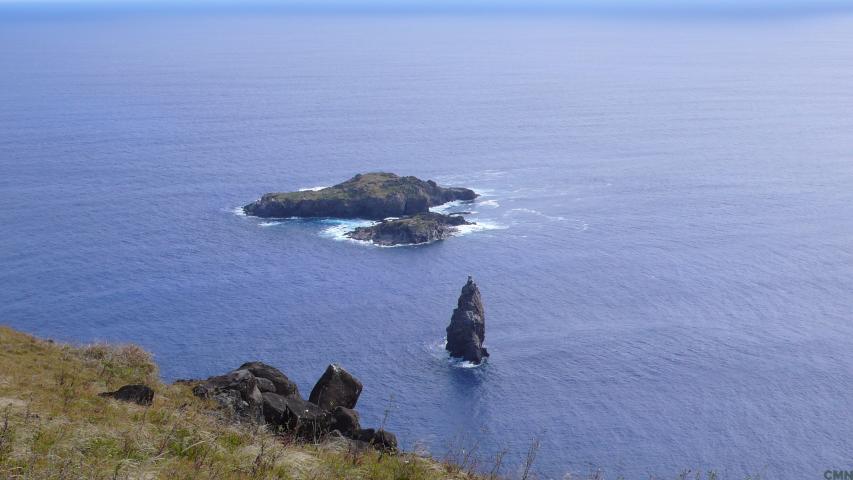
336 388
236 391
417 229
345 420
371 195
295 415
137 393
241 381
265 385
467 328
339 441
283 385
382 440
232 402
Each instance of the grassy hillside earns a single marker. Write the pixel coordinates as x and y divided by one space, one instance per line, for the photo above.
53 424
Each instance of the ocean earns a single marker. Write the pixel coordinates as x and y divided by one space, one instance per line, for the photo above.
665 227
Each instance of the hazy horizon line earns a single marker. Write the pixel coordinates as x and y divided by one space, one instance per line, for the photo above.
698 8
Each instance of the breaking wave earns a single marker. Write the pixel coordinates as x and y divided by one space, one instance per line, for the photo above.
337 228
436 350
479 226
456 206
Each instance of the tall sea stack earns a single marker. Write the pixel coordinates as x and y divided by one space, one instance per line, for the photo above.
467 327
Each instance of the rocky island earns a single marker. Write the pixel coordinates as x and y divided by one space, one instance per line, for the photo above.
467 328
372 196
416 229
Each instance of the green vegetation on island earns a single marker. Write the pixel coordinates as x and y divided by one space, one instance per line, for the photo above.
373 196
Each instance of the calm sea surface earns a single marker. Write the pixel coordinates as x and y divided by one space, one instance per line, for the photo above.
666 251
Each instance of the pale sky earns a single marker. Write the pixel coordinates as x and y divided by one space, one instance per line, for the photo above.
697 6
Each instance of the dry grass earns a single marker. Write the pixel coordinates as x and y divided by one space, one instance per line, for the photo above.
54 425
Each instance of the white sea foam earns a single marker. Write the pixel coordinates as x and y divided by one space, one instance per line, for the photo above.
484 192
269 224
437 351
459 363
313 189
538 213
450 207
338 228
479 226
470 178
489 203
239 211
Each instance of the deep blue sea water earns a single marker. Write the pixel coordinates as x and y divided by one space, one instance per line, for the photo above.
667 272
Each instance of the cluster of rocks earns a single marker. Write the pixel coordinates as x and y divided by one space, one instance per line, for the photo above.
400 204
259 393
421 228
467 329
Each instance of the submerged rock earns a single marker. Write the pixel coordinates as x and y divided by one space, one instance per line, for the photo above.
336 388
371 195
421 228
137 393
467 328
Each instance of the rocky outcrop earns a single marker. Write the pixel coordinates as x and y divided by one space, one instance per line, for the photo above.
282 385
346 421
336 388
265 385
379 439
236 391
371 195
294 415
417 229
259 393
137 393
467 328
